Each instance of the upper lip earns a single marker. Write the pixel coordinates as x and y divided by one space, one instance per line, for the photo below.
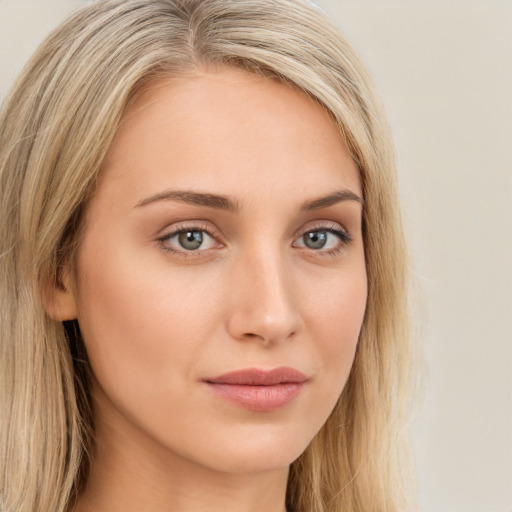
260 377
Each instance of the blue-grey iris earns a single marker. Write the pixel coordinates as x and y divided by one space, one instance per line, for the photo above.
190 240
315 239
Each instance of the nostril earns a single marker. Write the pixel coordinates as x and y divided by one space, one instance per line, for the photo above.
267 340
253 336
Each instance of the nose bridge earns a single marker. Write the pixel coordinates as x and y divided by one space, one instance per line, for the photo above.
264 306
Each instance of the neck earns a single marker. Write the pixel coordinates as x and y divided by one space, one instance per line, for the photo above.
118 487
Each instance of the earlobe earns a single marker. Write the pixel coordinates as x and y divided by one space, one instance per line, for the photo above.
59 299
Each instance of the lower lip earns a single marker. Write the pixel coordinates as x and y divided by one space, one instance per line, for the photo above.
258 398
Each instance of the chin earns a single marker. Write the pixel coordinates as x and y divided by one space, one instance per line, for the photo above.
257 451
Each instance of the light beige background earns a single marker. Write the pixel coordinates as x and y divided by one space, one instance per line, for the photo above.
445 71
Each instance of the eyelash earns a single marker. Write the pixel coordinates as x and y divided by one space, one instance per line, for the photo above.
343 236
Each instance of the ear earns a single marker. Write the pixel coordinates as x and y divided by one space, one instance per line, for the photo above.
59 298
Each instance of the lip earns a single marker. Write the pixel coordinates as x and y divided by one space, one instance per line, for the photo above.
259 390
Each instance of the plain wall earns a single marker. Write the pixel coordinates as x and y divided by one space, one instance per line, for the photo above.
444 69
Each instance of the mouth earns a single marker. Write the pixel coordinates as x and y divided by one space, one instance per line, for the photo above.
259 390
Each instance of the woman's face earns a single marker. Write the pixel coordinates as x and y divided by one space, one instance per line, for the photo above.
224 236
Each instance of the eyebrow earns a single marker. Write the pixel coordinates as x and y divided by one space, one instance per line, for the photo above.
218 202
221 202
330 200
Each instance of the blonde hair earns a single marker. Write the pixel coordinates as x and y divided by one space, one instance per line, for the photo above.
55 128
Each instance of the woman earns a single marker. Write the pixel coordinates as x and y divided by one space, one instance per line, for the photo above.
202 267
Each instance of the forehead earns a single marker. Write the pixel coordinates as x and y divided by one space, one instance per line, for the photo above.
223 127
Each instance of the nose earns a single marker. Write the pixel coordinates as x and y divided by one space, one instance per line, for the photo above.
263 302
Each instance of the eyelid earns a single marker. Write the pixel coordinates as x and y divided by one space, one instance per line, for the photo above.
191 225
331 226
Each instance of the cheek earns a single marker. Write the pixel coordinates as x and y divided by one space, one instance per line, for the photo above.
139 320
335 312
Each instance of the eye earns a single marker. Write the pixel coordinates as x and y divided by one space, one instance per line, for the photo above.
323 239
315 239
188 240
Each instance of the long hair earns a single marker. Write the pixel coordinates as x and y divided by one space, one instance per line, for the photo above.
55 129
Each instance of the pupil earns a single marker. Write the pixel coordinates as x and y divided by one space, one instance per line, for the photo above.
191 240
315 239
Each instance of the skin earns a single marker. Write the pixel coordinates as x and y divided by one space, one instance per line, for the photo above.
157 319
